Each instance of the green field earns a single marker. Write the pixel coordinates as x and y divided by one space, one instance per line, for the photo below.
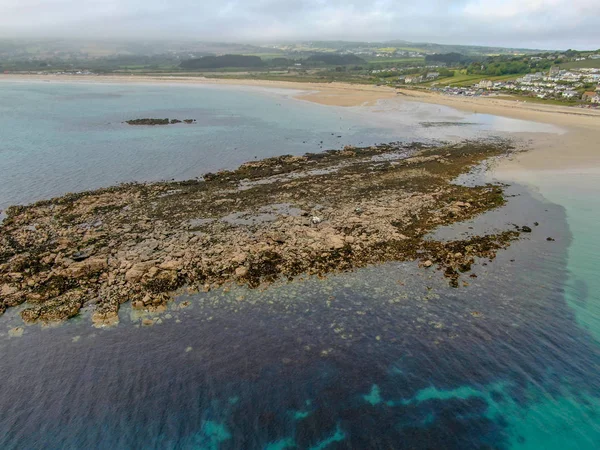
411 49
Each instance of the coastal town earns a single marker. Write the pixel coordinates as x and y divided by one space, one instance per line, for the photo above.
556 84
569 79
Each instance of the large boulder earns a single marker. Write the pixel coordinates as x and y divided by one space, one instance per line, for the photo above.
137 271
7 289
88 267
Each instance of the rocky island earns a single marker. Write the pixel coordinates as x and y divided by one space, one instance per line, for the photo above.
167 121
276 218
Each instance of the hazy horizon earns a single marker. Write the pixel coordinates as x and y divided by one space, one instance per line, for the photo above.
538 24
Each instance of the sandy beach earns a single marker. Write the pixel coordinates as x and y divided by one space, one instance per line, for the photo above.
576 150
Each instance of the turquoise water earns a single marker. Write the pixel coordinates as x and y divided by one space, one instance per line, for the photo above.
384 357
58 138
579 195
578 192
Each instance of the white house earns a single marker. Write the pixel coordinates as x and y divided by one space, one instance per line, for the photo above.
410 80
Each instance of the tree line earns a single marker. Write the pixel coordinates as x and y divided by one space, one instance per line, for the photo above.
245 61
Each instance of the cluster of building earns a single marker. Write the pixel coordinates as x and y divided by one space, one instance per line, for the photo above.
462 91
595 56
558 83
414 79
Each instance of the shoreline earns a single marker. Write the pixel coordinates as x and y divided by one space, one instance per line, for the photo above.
347 94
329 94
575 151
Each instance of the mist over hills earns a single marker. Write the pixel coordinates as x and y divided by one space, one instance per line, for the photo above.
89 49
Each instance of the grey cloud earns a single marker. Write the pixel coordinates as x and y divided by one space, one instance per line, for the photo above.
525 23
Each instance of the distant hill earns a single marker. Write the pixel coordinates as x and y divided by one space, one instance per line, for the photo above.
89 49
472 50
218 62
400 45
448 58
99 55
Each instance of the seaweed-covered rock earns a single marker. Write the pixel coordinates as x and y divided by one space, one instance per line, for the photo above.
270 219
151 121
148 121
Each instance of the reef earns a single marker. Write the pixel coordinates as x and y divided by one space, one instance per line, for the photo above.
281 217
167 121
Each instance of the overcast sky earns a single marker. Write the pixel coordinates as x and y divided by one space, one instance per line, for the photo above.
517 23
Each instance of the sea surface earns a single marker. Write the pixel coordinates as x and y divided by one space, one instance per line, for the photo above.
61 137
384 357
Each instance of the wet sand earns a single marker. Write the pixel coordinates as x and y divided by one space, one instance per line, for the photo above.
576 150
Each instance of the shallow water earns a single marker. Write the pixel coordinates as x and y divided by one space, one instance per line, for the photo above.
60 137
383 357
578 192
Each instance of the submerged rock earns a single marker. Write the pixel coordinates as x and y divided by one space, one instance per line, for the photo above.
16 332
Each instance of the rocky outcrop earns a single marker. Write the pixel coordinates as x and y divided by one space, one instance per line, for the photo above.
280 217
149 121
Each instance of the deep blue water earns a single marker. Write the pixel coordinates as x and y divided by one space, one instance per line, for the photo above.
386 357
383 357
